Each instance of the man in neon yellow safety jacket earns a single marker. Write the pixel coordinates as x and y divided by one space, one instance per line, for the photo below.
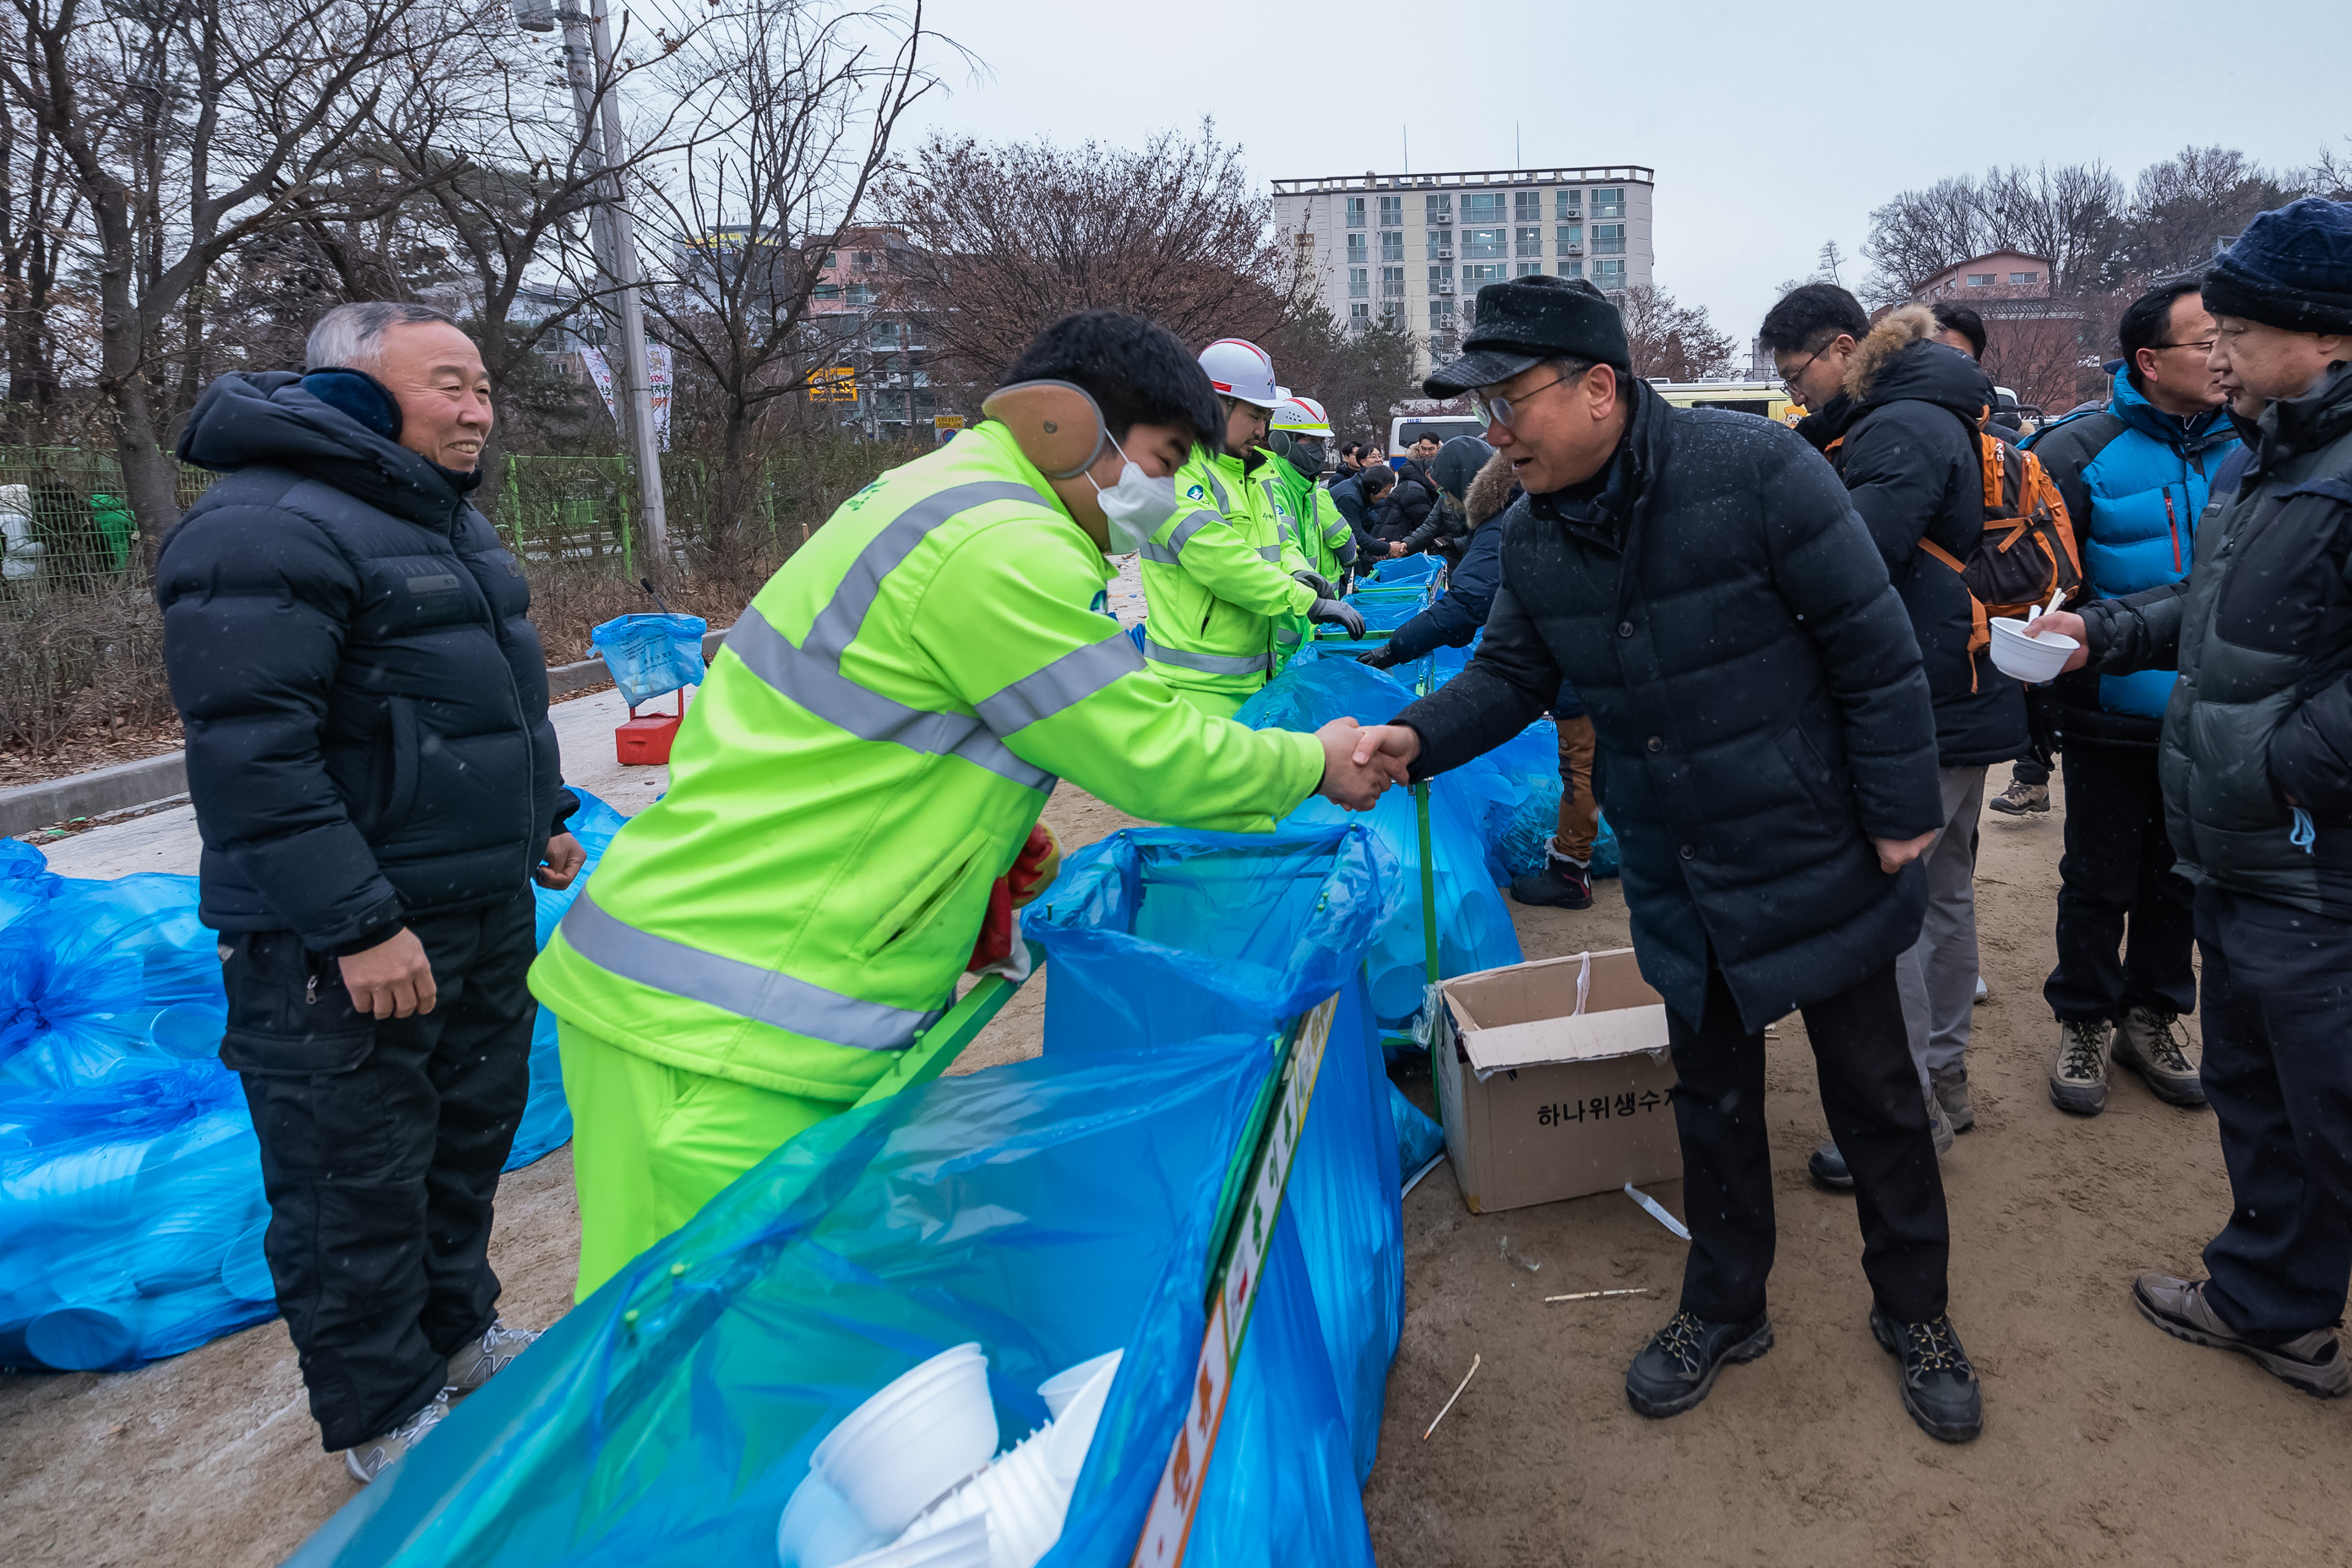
867 755
1315 538
1221 608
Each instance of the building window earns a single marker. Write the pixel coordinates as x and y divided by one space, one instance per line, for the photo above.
1356 249
866 261
1360 283
1609 274
1487 272
1391 308
1391 245
1482 206
1569 204
1570 238
1438 209
1530 268
1355 212
1609 203
1572 269
859 294
1526 207
1441 273
825 291
832 260
2023 280
1481 242
1441 240
1391 212
1391 282
1359 317
1982 279
1441 315
1608 239
1529 242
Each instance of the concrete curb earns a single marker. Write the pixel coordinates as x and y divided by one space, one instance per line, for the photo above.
152 779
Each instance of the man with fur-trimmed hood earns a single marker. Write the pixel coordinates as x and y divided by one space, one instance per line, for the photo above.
1897 413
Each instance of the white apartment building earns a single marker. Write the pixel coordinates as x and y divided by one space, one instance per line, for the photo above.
1419 246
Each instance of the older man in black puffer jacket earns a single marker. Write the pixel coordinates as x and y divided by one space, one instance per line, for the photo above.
376 784
2255 763
1766 755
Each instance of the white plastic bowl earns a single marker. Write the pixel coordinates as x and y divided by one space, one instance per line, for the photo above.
1058 1390
910 1444
819 1528
2030 660
964 1544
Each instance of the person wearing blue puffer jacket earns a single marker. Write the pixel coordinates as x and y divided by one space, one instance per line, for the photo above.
2136 475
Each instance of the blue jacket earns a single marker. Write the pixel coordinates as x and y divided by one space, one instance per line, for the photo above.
2136 480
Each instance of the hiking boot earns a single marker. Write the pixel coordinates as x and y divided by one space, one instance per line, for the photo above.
1676 1369
2154 1044
474 1362
2078 1078
1940 1382
1952 1094
2314 1363
370 1460
2020 798
1827 1165
1561 884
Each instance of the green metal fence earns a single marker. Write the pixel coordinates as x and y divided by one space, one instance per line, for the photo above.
66 524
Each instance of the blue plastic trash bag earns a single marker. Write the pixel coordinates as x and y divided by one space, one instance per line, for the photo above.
1157 937
1052 1210
1474 927
546 1124
1419 1139
651 655
1418 567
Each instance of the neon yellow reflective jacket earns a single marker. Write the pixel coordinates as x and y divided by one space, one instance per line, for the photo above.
1215 592
1311 522
865 757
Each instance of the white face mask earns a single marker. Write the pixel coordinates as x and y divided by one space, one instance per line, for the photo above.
1136 505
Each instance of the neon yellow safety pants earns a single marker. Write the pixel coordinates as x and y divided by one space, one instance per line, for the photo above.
651 1143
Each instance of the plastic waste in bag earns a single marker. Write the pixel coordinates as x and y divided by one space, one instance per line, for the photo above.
651 655
1418 567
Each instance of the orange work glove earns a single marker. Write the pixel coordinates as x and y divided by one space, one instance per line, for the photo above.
1035 868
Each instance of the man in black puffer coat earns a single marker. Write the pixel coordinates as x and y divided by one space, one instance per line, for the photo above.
2256 762
376 784
1767 755
1896 414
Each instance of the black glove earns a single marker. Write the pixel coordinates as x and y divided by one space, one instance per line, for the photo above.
1314 581
1332 612
1380 657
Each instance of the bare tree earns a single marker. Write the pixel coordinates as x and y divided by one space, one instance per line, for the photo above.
803 99
186 129
1920 233
2182 206
1010 237
1677 341
38 205
2067 216
1357 376
1831 263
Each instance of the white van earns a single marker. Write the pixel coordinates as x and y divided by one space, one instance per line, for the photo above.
1405 429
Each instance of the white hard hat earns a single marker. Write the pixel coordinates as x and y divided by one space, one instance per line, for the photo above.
1241 369
1300 416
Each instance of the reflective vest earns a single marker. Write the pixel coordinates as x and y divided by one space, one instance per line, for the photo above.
865 756
1216 592
1309 520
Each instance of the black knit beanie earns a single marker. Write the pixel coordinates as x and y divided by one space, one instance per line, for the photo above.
2290 269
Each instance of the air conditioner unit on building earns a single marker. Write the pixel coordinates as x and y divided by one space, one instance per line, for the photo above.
1571 248
1446 287
1444 253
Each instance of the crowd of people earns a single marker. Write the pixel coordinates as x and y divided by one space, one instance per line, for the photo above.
1764 648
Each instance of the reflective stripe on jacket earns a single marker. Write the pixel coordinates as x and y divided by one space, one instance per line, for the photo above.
866 757
1214 588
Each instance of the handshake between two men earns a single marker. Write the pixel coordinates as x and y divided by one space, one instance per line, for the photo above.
1360 763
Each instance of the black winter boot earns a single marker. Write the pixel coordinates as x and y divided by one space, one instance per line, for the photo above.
1676 1369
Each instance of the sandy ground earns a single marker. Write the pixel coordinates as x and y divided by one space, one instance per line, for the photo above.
2105 1441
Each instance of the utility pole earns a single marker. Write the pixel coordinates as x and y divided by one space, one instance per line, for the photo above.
588 59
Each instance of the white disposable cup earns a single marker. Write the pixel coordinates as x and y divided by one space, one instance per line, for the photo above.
964 1544
1058 1390
907 1446
2030 660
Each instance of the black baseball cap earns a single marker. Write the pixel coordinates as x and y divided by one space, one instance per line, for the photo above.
1526 321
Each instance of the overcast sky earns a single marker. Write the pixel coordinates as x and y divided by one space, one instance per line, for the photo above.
1772 128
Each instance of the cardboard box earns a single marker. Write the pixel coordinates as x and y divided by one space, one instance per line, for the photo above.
1553 1082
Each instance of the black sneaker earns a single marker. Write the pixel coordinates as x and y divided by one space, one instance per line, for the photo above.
1561 884
1940 1382
1676 1369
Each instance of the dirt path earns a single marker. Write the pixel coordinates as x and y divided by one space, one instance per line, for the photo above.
2105 1441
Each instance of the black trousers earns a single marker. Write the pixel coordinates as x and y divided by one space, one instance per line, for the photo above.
2278 1073
1870 1089
2125 920
2043 738
381 1148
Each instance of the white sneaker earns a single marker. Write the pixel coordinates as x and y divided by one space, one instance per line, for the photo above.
370 1460
475 1361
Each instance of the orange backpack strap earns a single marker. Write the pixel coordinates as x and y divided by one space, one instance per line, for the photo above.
1979 633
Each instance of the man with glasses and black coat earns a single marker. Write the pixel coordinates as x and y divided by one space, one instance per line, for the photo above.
1767 753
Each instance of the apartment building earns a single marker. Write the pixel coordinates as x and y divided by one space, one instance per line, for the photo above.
1418 247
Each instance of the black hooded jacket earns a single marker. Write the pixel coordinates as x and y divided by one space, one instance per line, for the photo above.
1903 438
364 695
1755 692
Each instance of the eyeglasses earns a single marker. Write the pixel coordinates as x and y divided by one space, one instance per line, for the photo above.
2204 348
1494 411
1789 381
